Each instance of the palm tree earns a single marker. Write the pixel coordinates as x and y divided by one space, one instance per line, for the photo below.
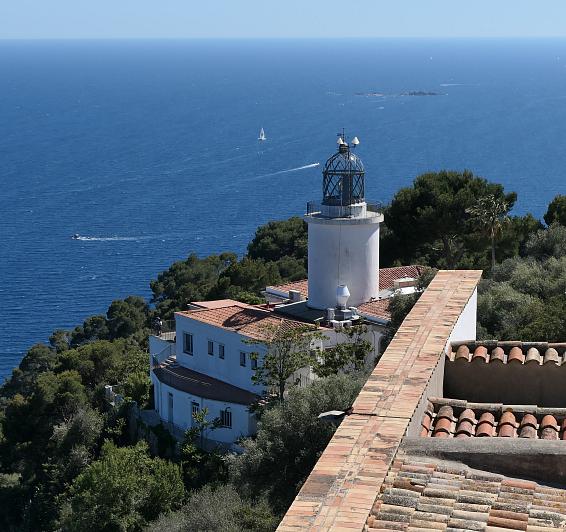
491 213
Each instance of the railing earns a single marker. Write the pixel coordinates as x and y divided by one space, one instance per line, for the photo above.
163 326
342 211
163 355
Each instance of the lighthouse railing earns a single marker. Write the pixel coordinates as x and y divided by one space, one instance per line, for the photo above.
344 211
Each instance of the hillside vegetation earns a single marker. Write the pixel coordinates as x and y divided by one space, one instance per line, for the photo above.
67 458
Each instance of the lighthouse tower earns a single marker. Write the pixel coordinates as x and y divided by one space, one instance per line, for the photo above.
343 235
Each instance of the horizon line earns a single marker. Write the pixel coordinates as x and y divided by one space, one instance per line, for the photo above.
288 38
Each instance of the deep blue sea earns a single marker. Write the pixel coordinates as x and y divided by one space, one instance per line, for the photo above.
148 148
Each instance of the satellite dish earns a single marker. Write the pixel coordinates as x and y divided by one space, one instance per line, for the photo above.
339 141
355 141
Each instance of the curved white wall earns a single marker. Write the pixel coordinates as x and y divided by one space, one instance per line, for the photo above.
342 252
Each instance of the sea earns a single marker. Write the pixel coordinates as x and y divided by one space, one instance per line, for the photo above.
148 150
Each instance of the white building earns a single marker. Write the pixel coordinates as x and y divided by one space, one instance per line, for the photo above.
206 362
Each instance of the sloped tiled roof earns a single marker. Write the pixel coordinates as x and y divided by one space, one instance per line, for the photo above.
301 286
423 494
447 418
510 352
218 303
387 278
376 309
246 320
187 380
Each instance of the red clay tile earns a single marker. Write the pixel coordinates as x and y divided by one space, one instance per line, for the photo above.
480 353
487 417
467 415
427 420
484 430
507 424
551 356
445 411
548 428
465 428
506 431
528 427
516 355
462 353
442 426
485 425
497 355
533 356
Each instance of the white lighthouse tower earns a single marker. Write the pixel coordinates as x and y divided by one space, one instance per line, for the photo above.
343 235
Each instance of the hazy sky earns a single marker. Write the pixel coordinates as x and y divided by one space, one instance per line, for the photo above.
281 18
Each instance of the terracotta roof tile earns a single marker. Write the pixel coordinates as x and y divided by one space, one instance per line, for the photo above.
481 353
533 356
473 500
551 355
376 309
516 355
447 418
244 319
387 278
510 352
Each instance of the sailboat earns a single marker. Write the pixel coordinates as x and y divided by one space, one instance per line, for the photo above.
262 135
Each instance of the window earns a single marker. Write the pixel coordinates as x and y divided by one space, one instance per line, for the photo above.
254 363
211 347
226 418
188 343
220 350
242 359
170 405
195 409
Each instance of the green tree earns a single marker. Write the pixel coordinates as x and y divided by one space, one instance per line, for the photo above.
349 355
277 240
428 220
290 439
288 349
188 280
525 296
490 213
247 276
556 211
218 509
199 466
127 316
93 328
123 490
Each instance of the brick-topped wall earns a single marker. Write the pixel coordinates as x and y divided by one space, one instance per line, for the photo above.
342 488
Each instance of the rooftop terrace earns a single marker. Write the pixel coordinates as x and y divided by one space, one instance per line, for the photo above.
447 433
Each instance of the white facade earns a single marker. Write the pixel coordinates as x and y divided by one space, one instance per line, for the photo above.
176 407
343 251
465 328
227 369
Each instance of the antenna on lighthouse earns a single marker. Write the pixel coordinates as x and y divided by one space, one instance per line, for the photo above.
355 141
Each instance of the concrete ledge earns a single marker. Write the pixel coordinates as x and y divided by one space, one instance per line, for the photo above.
540 460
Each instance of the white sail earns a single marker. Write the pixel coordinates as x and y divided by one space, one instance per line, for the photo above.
262 135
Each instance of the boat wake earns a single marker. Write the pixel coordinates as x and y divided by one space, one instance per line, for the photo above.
305 167
111 238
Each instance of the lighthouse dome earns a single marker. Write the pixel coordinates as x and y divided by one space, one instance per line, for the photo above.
343 178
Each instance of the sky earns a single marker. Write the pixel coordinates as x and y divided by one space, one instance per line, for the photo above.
124 19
